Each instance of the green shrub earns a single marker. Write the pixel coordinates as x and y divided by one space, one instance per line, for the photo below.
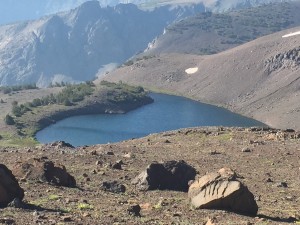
67 102
9 120
9 89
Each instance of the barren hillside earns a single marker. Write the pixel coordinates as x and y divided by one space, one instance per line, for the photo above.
209 33
260 79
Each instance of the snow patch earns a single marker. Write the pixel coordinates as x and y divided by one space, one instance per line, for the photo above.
191 70
291 34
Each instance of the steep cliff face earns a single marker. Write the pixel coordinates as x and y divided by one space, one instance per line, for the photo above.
74 45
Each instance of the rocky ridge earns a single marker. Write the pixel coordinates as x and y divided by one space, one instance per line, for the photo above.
80 44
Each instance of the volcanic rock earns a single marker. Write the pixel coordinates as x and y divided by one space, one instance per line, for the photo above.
44 171
61 144
9 187
134 210
171 175
113 186
222 190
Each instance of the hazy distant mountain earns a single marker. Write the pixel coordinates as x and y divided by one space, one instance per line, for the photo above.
19 10
209 33
75 45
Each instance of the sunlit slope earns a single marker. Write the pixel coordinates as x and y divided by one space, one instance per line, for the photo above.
260 79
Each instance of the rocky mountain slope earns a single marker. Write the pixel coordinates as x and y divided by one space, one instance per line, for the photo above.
259 79
15 10
73 46
209 33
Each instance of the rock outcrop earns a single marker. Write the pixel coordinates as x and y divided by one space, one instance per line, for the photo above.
44 171
222 190
171 175
9 187
288 59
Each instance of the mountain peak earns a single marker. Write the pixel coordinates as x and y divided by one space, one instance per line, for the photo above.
89 7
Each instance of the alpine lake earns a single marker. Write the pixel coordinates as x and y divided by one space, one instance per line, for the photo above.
166 113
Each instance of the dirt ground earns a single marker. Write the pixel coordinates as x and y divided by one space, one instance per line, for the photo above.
274 158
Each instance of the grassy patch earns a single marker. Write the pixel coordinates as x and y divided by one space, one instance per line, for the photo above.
53 197
14 140
85 206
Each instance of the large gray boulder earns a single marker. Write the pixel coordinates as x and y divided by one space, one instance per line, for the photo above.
9 187
171 175
222 190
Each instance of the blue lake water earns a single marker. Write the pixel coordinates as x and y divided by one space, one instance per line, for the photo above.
166 113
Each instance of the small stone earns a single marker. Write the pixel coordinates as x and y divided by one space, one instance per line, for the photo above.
109 153
246 150
128 155
177 214
86 215
257 198
85 175
214 152
269 180
282 184
134 210
7 221
290 198
117 166
23 179
113 186
98 163
167 141
67 218
120 162
210 222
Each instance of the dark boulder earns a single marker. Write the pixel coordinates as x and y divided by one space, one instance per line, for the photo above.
113 186
43 170
170 175
9 187
58 175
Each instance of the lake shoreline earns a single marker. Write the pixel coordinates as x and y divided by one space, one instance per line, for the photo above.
167 113
106 99
90 108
